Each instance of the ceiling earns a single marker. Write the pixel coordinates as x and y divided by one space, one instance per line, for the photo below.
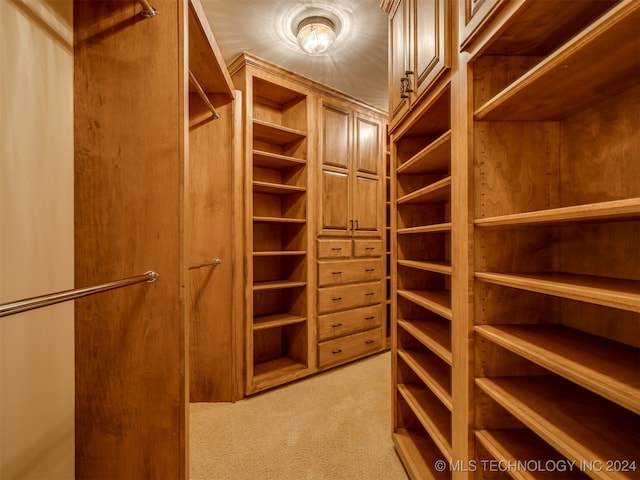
355 65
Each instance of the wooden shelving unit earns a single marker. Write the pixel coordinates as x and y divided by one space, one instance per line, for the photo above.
515 226
277 341
421 299
557 278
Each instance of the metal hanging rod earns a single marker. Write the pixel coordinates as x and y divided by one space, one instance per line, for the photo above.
215 261
53 298
203 95
147 10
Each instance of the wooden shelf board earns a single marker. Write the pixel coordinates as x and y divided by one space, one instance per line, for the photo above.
437 267
610 292
277 372
418 454
513 444
434 158
569 80
432 415
436 228
434 376
433 335
274 160
279 220
205 58
276 320
436 192
607 368
580 425
276 188
276 134
436 301
604 211
280 253
277 284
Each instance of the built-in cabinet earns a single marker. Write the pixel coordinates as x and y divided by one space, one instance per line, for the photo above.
136 210
351 223
313 162
515 225
419 52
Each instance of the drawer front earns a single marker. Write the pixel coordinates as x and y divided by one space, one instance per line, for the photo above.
334 248
367 248
344 323
338 273
332 299
345 348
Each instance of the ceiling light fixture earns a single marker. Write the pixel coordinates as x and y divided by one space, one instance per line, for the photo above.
316 34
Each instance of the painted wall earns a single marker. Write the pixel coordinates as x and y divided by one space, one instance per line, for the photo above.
36 238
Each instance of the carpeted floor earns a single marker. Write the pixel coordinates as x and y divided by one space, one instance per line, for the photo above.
332 426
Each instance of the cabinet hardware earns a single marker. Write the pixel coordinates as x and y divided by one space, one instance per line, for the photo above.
335 299
336 325
357 226
336 351
370 293
371 317
405 84
336 273
350 224
370 270
369 342
336 249
369 248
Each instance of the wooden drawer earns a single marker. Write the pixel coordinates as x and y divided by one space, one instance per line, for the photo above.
338 273
343 323
367 248
332 299
334 248
345 348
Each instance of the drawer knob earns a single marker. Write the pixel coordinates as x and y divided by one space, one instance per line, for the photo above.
336 249
370 317
369 248
335 352
370 270
370 293
336 273
336 325
369 342
336 299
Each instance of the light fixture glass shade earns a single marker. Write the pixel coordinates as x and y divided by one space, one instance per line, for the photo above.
316 35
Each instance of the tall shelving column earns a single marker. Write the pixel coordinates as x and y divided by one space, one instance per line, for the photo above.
557 222
277 343
422 269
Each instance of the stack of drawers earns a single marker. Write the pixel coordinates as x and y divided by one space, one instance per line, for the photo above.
350 299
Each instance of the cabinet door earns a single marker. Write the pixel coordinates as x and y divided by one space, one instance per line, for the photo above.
366 206
368 145
334 205
335 136
430 43
398 59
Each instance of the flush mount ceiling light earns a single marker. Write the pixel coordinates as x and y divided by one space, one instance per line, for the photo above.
316 34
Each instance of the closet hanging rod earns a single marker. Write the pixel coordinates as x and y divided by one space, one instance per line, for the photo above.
215 261
203 95
147 10
53 298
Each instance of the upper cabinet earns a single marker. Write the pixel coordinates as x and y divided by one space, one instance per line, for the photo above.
351 153
419 50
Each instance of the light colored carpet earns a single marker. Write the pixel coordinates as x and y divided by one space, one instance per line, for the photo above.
332 426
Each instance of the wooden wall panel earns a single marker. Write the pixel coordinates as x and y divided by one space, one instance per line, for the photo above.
131 399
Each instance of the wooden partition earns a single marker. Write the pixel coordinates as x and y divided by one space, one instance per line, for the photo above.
131 194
